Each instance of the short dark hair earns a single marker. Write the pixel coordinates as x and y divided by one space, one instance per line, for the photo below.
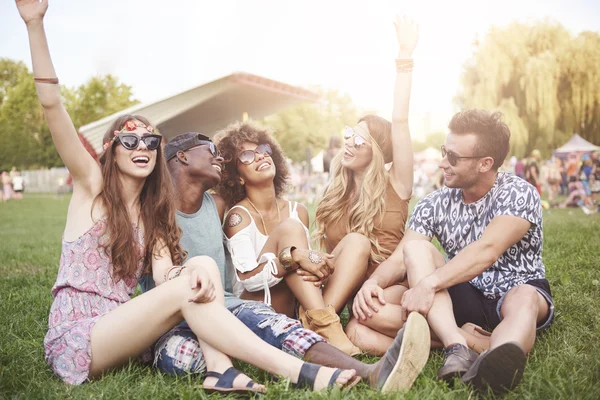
493 135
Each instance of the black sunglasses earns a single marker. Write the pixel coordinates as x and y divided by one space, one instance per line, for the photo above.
131 141
453 157
211 146
247 157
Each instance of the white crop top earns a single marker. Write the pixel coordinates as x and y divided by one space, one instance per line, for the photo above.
245 248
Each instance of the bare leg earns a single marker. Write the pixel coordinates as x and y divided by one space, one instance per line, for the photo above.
522 309
134 326
421 259
374 335
291 233
351 263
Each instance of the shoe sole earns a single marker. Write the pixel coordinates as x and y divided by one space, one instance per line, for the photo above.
414 353
501 369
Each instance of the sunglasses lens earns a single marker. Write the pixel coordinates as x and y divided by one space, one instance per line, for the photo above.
358 141
348 133
263 149
152 142
130 142
246 157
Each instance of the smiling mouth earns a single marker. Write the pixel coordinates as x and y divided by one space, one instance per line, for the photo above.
141 160
263 166
217 167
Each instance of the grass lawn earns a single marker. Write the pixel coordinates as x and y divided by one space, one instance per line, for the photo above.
565 362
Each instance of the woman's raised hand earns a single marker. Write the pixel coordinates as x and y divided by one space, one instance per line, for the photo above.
32 10
407 33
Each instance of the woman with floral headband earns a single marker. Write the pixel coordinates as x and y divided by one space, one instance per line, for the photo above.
267 236
120 222
364 199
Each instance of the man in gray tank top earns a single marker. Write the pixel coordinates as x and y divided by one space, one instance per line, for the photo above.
195 167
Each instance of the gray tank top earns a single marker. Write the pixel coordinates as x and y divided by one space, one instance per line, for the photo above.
202 236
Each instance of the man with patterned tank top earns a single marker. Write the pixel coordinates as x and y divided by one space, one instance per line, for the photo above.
489 224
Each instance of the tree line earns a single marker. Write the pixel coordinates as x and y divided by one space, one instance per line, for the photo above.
25 140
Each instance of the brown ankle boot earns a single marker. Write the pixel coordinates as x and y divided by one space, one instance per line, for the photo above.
303 318
477 338
326 323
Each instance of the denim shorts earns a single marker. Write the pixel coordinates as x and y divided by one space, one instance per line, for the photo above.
178 352
470 305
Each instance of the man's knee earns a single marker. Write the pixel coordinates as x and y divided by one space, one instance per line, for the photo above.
415 249
521 298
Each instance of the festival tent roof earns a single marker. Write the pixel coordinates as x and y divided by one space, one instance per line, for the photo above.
210 106
576 144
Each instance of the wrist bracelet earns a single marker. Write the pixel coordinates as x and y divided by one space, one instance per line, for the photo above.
46 80
404 64
177 273
286 260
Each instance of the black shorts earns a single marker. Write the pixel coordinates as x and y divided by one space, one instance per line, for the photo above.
470 305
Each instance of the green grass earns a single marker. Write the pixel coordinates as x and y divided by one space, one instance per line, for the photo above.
565 362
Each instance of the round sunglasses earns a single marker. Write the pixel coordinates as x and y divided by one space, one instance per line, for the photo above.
247 157
359 141
131 141
453 157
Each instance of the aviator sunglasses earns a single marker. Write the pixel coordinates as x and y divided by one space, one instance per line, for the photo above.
359 141
453 157
131 141
247 157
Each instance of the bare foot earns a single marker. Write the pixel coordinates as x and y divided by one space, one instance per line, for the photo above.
347 377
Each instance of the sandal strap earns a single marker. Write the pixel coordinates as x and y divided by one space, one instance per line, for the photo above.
225 380
308 374
334 377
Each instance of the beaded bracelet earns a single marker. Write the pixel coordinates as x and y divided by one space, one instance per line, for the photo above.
404 64
177 273
171 269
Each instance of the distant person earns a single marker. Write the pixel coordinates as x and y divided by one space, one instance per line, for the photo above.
532 170
6 186
18 185
554 178
520 168
335 146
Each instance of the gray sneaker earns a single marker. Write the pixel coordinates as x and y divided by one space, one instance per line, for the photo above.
457 361
499 369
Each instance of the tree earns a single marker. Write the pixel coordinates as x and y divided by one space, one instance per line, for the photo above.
25 140
307 127
544 81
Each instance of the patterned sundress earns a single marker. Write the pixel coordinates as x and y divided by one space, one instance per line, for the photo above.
84 291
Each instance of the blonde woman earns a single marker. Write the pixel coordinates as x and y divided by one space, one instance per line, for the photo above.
363 211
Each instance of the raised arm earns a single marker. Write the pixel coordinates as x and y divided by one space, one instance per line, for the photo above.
402 167
81 165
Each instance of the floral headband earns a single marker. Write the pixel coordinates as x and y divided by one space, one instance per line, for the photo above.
129 126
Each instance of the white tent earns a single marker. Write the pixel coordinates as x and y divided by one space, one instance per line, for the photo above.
576 144
209 107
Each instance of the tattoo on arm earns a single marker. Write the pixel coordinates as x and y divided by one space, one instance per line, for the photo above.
234 220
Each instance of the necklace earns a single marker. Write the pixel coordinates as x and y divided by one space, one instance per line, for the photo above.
261 217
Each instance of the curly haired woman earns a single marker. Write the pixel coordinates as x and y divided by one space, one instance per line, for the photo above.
267 236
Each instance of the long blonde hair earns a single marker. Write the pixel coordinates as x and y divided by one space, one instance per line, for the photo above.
360 208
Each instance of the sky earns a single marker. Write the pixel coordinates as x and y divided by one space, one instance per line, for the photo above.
162 47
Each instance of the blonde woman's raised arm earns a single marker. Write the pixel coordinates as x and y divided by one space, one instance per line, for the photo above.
402 167
80 163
